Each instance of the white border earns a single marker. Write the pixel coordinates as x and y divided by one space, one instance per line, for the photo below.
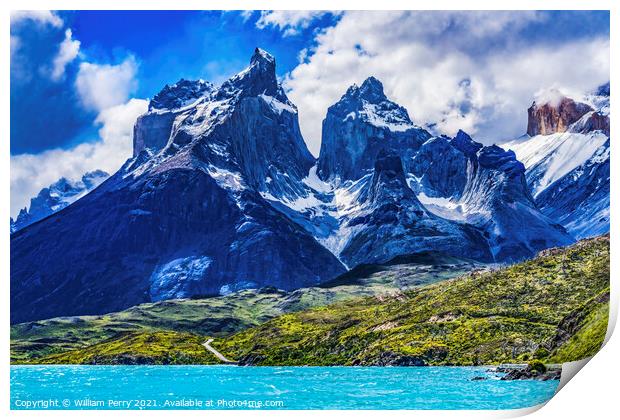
592 395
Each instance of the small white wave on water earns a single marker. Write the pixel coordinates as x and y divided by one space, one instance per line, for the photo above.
276 391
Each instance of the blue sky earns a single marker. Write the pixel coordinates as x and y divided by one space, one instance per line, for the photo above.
167 45
79 79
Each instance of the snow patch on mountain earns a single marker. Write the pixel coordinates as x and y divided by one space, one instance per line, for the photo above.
278 106
444 207
173 279
228 180
549 158
317 184
382 118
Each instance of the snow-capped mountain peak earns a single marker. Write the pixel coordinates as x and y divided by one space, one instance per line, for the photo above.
369 103
259 78
361 124
569 151
371 90
56 197
179 95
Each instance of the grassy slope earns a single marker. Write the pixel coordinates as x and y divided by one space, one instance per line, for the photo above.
588 338
509 315
221 316
161 347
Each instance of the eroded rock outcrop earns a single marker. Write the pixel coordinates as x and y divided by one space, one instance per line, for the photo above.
554 115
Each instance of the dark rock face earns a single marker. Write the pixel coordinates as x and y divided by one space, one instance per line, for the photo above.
251 128
359 126
152 131
263 145
552 118
150 242
393 222
497 191
603 90
388 181
251 360
572 322
389 358
465 144
441 164
181 94
529 373
56 197
181 219
489 182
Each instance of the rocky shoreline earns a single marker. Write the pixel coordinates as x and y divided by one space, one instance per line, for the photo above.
533 370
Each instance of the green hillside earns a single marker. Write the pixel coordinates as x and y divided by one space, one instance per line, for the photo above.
152 348
552 308
510 315
223 315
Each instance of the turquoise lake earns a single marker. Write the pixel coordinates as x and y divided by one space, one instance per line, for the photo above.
233 387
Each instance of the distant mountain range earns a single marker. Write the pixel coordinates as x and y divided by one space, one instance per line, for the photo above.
56 197
222 194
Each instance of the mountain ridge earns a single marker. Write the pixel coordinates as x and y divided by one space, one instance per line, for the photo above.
567 169
221 194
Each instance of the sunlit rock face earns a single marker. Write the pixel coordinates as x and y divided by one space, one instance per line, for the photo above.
568 172
555 115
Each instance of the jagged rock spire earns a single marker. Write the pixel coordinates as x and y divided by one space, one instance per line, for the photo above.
372 90
358 126
463 142
258 78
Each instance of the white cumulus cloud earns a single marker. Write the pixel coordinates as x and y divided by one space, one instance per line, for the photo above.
444 67
32 172
290 22
38 16
67 52
102 86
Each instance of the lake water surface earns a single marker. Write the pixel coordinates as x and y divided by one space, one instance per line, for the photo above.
233 387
